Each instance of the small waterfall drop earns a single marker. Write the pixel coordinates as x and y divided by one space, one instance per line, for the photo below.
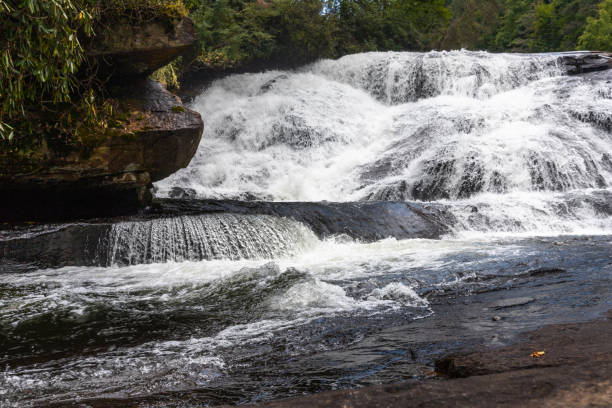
206 237
539 213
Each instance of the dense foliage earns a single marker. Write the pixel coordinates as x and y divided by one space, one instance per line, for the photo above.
388 24
42 56
45 87
598 32
474 24
542 25
231 32
524 25
235 33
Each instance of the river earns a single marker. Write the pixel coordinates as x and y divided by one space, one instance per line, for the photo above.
245 306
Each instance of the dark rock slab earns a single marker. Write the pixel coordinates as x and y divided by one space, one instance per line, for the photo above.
574 372
86 243
586 62
73 244
368 221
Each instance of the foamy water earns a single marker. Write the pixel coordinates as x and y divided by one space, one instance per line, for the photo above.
273 297
204 320
205 306
485 128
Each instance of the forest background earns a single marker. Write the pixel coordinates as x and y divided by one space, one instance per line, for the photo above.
43 42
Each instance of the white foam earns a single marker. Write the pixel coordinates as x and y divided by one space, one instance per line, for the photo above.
405 126
524 214
277 144
398 292
397 77
150 367
314 294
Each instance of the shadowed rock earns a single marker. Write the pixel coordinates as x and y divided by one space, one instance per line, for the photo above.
582 63
158 136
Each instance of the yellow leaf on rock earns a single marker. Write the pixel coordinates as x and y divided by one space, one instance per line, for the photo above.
537 354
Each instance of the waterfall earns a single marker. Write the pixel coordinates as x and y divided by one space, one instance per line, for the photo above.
397 126
464 185
400 77
205 237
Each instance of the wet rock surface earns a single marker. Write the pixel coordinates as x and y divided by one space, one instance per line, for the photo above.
573 372
76 244
583 63
86 243
563 345
368 221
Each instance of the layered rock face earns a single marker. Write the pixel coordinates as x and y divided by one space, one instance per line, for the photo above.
157 136
583 63
130 51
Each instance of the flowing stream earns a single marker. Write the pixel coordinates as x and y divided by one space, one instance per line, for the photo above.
193 310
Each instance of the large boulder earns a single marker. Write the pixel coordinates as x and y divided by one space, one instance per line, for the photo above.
126 50
156 136
585 62
109 170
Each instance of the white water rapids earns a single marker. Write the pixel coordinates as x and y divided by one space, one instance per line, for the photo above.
500 130
231 308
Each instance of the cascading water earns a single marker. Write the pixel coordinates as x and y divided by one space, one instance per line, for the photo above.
512 159
205 237
399 77
408 126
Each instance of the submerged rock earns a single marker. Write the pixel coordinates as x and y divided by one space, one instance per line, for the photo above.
507 303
